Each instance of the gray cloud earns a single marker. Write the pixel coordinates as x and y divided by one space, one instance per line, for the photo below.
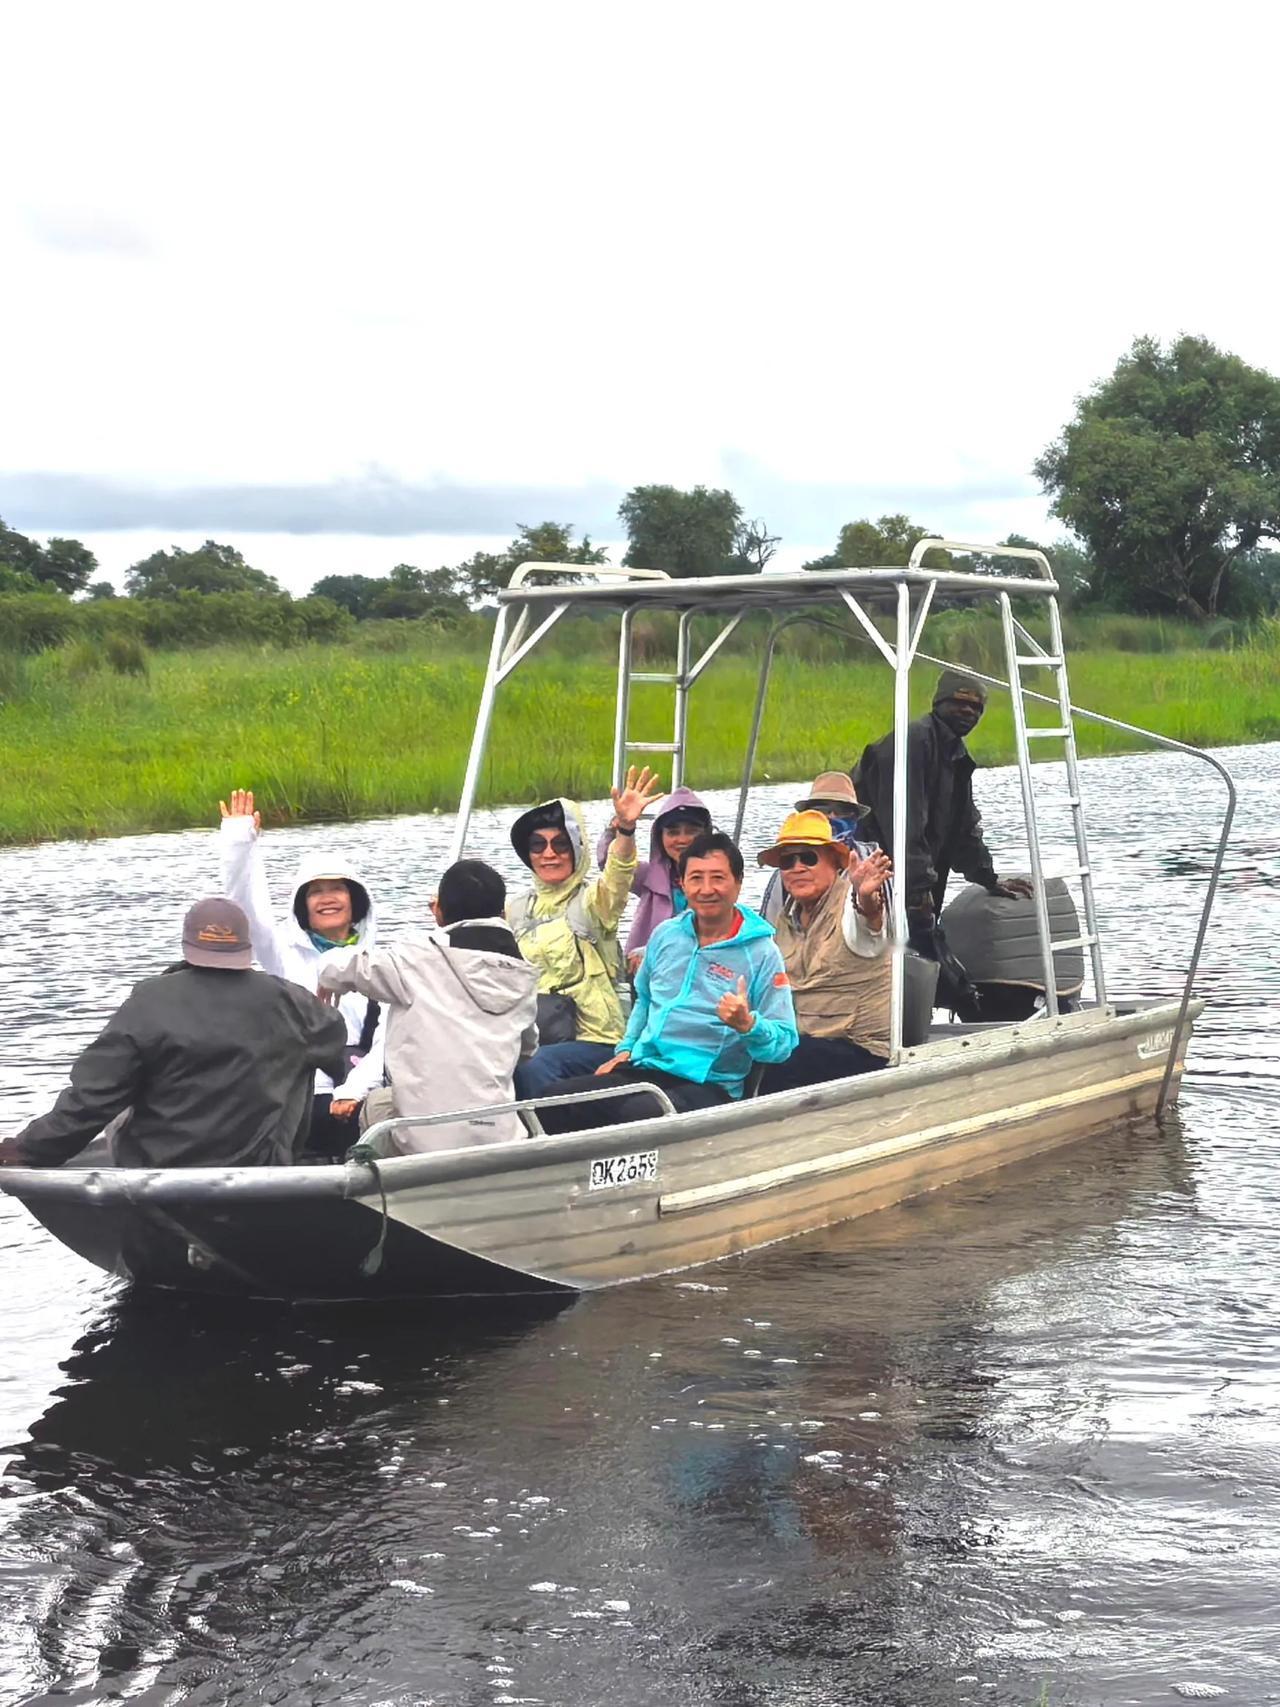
378 504
375 504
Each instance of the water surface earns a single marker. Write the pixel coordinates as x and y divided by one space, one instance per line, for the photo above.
1020 1435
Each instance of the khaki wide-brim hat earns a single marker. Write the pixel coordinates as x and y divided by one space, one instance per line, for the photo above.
833 788
804 830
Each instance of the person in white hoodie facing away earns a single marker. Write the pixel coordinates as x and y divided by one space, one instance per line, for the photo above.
329 908
461 1006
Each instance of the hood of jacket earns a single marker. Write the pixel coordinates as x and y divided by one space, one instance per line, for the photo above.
496 980
551 898
315 865
680 799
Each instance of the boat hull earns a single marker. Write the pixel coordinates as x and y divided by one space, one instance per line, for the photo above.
548 1213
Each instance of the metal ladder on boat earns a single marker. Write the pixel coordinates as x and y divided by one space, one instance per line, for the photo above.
1024 652
681 679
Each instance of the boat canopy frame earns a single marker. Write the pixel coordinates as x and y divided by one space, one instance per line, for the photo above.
529 608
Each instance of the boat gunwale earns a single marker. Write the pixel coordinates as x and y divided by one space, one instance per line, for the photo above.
931 1063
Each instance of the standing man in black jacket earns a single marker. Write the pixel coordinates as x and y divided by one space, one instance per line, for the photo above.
212 1061
944 827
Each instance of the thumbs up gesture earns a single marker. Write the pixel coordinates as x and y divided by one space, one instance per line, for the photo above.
735 1010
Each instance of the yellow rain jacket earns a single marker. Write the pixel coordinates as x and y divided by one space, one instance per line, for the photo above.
569 930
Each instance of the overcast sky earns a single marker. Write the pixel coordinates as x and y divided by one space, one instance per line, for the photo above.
354 285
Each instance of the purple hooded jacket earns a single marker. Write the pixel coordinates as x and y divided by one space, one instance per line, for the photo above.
655 878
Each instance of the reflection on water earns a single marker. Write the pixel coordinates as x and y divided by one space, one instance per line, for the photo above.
1020 1433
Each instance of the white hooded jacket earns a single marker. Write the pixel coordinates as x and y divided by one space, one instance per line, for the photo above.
283 947
460 1015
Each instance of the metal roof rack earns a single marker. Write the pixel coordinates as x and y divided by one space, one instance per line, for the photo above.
653 589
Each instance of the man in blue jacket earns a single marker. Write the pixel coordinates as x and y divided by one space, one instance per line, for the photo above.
712 1000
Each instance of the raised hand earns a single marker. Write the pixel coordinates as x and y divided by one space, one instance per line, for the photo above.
242 807
868 877
633 799
735 1009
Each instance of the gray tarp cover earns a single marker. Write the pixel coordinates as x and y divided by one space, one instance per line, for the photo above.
997 942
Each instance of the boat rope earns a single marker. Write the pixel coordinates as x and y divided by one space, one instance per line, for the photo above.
373 1262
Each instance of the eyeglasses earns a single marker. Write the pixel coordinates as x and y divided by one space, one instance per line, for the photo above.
805 856
550 844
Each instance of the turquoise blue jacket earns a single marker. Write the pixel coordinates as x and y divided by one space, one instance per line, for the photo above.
674 1026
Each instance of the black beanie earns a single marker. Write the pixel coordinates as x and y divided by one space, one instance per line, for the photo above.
952 682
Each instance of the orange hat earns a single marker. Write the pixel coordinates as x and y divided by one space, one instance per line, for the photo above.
804 830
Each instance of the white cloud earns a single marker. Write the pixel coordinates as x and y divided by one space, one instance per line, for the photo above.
84 231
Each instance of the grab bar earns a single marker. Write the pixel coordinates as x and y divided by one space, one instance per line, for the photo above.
531 1104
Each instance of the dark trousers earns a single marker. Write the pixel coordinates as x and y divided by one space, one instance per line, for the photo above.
328 1136
616 1111
817 1059
955 990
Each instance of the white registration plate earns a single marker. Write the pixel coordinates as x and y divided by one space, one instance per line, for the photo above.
637 1169
1158 1043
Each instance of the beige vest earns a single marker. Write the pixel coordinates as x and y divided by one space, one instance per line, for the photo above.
837 993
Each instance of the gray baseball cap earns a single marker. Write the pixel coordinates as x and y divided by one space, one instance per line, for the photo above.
215 933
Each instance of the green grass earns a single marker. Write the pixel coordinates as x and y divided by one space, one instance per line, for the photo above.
328 732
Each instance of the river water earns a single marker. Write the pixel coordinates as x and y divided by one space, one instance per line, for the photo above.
1016 1442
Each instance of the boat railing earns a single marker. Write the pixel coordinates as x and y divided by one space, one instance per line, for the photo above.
1169 744
526 1106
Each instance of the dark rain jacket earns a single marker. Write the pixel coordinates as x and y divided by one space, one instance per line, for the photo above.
944 827
216 1066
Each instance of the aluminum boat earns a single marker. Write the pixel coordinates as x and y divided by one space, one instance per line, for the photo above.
624 1202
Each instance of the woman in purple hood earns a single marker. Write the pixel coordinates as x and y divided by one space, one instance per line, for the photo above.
681 817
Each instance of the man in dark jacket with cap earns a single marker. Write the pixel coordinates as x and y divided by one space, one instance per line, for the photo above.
210 1064
944 827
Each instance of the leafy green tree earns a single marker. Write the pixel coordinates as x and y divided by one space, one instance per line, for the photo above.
354 593
211 568
1170 473
1256 584
64 565
481 576
98 590
17 580
1073 569
18 552
410 592
685 533
880 545
401 594
1072 566
68 565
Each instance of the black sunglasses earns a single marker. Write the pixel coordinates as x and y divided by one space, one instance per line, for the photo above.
806 856
557 843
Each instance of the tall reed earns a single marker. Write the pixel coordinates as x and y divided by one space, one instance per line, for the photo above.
342 731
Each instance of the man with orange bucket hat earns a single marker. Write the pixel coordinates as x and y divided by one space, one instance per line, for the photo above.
832 933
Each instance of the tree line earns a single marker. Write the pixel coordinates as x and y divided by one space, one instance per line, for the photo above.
1168 476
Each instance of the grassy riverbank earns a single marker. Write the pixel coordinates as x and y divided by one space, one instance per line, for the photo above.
326 732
